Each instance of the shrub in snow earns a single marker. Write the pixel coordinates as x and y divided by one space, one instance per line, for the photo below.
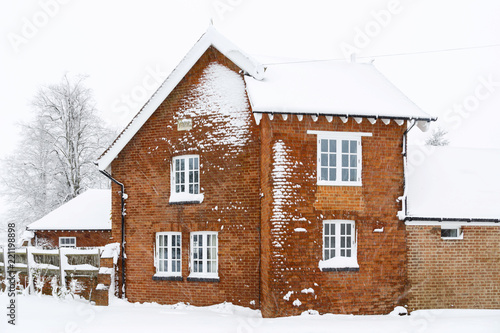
399 311
310 313
437 138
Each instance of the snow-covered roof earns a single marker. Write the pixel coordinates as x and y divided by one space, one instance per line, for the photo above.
310 87
453 183
211 38
90 210
330 88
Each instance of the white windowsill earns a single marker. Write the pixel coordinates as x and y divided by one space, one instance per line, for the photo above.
186 197
325 183
167 275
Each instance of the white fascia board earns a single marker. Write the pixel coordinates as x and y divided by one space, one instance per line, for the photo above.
339 134
453 224
211 38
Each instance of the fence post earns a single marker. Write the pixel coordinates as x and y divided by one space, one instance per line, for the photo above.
4 256
28 271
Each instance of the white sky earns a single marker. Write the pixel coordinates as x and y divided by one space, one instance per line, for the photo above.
119 43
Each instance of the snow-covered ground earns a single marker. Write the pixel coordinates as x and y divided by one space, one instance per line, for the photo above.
46 314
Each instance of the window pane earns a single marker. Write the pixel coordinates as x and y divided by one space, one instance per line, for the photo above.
333 174
342 229
342 242
191 176
332 228
326 229
177 165
333 146
354 147
324 174
333 243
182 168
345 174
354 175
324 145
348 229
333 160
348 253
345 160
332 253
196 189
449 233
345 146
348 242
196 163
196 176
191 189
353 161
165 253
327 242
324 159
162 267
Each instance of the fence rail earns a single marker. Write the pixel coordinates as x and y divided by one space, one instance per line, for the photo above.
63 261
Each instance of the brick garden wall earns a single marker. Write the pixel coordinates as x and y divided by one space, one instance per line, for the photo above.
83 238
229 179
290 258
454 273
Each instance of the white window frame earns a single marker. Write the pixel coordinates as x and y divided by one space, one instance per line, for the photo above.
73 239
185 195
161 270
340 258
460 234
205 251
339 137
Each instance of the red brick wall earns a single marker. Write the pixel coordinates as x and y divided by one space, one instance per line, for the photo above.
454 273
290 259
83 238
230 182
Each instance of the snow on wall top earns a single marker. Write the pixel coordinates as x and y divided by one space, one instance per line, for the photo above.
210 38
330 88
88 211
452 182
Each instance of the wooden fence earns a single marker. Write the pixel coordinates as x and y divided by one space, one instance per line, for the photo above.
32 265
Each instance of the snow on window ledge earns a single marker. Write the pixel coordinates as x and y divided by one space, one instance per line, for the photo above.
339 264
182 198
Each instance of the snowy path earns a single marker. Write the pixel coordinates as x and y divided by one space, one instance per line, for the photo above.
46 314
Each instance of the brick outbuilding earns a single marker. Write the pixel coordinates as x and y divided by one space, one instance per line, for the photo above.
84 221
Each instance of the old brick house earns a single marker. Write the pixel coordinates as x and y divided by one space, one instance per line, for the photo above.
84 221
275 187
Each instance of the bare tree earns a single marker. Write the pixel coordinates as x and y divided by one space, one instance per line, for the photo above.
54 162
437 138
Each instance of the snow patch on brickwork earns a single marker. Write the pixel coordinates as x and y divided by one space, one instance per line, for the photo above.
217 106
287 296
